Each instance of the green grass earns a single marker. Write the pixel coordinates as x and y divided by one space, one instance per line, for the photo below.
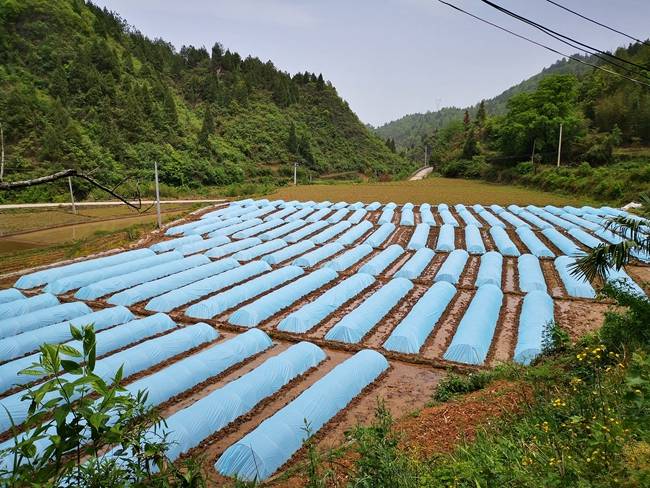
431 190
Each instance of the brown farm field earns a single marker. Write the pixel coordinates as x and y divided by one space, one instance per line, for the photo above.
430 190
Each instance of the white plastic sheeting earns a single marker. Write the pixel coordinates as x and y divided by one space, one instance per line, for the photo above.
303 232
261 452
353 233
27 305
407 218
207 226
381 261
531 277
536 315
469 219
21 344
39 278
233 247
533 243
446 239
563 243
503 242
318 215
491 219
555 220
203 245
575 287
168 283
497 209
489 272
117 283
349 258
210 307
473 240
330 232
419 238
42 317
192 370
288 252
473 336
80 280
392 205
324 204
357 216
515 209
553 209
447 217
186 428
620 279
232 229
261 309
378 237
281 214
371 207
535 220
259 250
107 341
312 258
411 333
585 238
198 289
300 214
386 216
580 221
308 316
172 244
355 325
513 220
9 295
338 215
282 230
413 268
133 360
453 267
258 229
426 215
340 205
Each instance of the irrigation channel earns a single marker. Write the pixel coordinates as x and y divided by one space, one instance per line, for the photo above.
247 318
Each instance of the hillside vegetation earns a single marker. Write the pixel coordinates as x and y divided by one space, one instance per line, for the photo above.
514 138
80 88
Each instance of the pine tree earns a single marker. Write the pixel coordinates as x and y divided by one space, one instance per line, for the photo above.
292 142
466 120
320 82
207 128
470 148
481 114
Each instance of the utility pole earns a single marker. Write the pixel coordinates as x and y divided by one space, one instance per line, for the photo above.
559 147
155 169
295 173
2 152
74 207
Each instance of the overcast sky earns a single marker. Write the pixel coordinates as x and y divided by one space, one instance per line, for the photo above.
388 58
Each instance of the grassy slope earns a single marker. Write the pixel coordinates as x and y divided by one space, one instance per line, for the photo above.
431 190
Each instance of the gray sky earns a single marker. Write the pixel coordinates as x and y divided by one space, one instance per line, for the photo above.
388 58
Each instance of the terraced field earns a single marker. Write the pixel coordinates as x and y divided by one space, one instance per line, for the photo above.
245 319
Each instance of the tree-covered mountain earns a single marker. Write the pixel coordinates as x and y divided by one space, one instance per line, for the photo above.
80 88
408 131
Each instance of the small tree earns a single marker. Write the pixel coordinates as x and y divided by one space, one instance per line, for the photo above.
74 416
292 142
207 128
481 114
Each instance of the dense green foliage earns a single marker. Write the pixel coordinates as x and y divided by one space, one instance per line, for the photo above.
75 416
586 422
409 130
80 88
598 113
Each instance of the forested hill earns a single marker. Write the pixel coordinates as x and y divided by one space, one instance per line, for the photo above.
80 88
410 129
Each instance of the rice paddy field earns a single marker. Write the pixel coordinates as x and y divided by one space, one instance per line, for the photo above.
245 319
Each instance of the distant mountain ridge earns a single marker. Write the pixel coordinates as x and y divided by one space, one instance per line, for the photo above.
409 129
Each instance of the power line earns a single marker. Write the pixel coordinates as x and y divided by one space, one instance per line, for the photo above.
598 23
573 58
554 34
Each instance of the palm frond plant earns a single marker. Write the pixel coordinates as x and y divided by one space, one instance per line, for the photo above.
634 233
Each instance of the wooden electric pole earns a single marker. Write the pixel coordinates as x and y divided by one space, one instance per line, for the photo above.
155 169
295 173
